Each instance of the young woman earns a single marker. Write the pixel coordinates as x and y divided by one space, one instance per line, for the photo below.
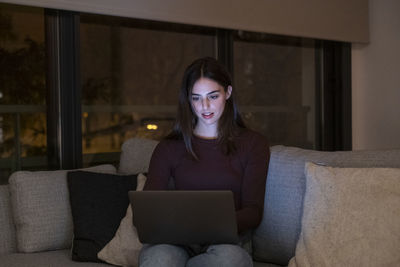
210 149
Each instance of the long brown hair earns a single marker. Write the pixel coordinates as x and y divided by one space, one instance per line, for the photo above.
230 123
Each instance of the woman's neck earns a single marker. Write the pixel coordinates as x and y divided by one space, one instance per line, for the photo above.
205 133
205 137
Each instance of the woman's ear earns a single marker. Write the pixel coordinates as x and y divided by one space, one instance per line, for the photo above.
228 92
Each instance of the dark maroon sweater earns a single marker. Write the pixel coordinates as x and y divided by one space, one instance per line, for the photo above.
244 172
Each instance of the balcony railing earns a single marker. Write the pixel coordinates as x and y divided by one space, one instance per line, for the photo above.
18 162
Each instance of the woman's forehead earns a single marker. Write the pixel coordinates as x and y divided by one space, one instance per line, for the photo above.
206 86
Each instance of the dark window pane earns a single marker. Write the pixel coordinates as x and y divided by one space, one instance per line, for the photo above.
22 91
131 72
275 79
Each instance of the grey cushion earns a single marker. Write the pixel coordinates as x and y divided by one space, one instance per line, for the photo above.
7 229
59 258
41 209
135 155
274 241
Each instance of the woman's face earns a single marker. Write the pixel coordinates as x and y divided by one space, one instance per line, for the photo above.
208 102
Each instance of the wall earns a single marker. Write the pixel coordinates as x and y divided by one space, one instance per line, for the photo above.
305 18
376 80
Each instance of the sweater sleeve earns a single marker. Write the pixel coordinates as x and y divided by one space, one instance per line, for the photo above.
253 184
159 168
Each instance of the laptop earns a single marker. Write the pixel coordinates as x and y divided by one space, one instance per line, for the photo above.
184 217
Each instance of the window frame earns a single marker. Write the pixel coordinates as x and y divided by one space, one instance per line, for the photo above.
64 135
333 89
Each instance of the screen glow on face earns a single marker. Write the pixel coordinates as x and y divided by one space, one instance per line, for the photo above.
208 102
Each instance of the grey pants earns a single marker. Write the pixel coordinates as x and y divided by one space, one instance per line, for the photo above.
175 256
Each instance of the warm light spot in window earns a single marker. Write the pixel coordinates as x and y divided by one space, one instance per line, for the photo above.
151 127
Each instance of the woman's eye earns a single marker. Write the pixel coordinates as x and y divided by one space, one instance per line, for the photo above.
213 96
195 98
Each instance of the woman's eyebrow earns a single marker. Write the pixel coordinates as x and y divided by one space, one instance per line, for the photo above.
212 92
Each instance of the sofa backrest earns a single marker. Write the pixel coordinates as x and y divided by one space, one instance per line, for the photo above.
7 228
275 239
135 155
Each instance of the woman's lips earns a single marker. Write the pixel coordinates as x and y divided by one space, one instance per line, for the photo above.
207 115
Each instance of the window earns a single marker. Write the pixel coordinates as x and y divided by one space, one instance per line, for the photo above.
109 79
22 90
276 81
131 72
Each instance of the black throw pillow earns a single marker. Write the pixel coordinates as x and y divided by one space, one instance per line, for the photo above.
98 203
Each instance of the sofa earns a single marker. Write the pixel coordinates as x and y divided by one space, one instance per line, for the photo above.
273 243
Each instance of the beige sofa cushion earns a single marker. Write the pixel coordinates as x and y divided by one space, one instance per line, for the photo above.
41 208
351 217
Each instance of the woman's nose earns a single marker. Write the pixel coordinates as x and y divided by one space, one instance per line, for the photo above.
205 103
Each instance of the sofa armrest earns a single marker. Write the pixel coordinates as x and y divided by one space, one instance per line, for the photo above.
7 227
